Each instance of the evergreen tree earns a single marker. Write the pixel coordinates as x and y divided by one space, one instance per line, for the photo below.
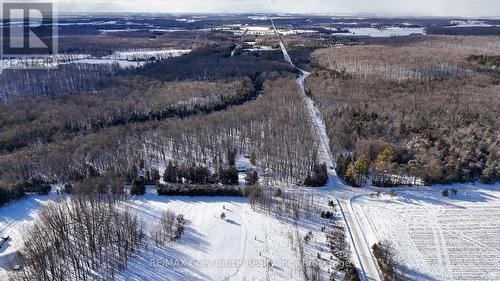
8 193
383 165
202 175
319 177
488 175
361 170
229 176
171 173
138 187
278 193
67 189
155 176
37 185
308 180
251 177
322 174
342 164
446 192
253 158
231 157
384 160
349 174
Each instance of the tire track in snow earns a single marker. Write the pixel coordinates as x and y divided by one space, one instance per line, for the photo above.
440 242
244 225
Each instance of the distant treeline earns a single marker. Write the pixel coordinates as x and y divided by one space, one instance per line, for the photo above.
212 64
472 31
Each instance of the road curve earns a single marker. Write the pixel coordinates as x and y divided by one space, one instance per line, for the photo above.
363 256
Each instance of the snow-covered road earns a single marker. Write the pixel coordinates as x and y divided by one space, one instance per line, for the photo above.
358 239
342 193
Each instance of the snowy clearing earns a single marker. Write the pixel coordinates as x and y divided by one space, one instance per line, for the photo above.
247 245
438 238
14 219
124 64
133 55
469 23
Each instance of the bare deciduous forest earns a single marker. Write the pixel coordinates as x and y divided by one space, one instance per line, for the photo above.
65 80
86 238
195 108
150 118
265 126
37 120
404 63
192 109
413 113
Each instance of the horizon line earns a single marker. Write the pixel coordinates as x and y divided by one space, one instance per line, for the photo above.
343 15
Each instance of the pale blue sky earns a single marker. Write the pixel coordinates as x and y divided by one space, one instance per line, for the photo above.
465 8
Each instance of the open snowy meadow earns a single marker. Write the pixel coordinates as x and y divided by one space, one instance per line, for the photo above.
247 244
14 219
437 237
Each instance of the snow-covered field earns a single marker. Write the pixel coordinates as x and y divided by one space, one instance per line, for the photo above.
470 23
438 238
383 32
124 64
124 59
147 54
240 247
247 245
14 219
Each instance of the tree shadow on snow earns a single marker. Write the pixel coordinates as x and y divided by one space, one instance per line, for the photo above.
163 264
170 262
477 193
233 222
194 239
413 275
191 199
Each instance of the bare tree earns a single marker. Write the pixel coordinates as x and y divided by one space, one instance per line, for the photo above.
85 238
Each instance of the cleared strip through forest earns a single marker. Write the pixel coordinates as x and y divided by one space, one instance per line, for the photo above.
368 269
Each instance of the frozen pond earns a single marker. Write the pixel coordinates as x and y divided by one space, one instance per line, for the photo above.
383 32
